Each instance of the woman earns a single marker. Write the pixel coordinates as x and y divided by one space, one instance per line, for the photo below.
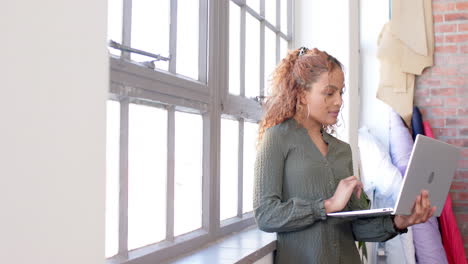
302 172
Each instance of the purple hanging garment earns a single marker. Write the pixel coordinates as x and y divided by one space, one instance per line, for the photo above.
426 237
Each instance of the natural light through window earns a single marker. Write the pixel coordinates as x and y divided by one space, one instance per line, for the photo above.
188 172
187 36
252 57
270 11
270 57
114 21
229 168
250 137
150 29
147 164
284 16
112 177
255 5
234 48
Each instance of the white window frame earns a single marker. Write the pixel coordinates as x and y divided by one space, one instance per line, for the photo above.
133 82
245 109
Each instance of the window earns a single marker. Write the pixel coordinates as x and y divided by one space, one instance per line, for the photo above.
181 143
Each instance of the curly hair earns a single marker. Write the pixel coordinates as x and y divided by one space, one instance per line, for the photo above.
294 75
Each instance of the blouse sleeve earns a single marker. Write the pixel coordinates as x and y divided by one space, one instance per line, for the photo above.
373 229
271 212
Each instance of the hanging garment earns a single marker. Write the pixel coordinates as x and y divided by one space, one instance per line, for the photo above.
405 48
412 23
426 236
451 238
401 142
417 123
396 88
382 180
401 145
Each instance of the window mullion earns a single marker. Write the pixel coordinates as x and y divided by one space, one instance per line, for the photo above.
202 41
242 51
173 37
123 180
240 168
278 25
290 21
127 27
170 174
262 48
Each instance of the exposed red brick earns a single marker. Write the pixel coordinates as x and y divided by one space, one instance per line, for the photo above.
456 101
438 19
464 132
456 38
457 60
462 121
446 49
445 28
443 112
462 111
462 6
428 81
444 70
459 185
462 27
464 49
463 69
442 7
436 122
439 39
459 204
456 81
460 195
430 101
422 92
461 216
443 92
463 164
455 16
458 142
444 132
461 174
464 153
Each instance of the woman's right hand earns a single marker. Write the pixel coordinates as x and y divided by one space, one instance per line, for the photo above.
343 192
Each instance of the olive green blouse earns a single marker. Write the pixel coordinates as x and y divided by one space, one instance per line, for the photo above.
292 180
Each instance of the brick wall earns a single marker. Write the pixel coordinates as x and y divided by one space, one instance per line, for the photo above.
442 94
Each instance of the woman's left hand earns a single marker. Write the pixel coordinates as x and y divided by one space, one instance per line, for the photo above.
422 211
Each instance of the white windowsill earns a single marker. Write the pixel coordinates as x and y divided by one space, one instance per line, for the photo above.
244 247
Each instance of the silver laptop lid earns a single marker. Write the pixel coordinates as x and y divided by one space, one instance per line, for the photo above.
432 166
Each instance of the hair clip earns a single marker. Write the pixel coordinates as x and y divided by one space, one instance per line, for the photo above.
302 50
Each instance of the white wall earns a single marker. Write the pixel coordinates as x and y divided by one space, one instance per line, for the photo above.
333 26
54 81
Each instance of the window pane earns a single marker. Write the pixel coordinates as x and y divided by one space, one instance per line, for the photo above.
147 162
252 57
284 16
229 168
112 177
270 57
187 37
114 22
150 29
270 11
254 4
283 48
234 48
188 172
250 152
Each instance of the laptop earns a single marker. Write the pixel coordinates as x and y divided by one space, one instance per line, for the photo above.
431 167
